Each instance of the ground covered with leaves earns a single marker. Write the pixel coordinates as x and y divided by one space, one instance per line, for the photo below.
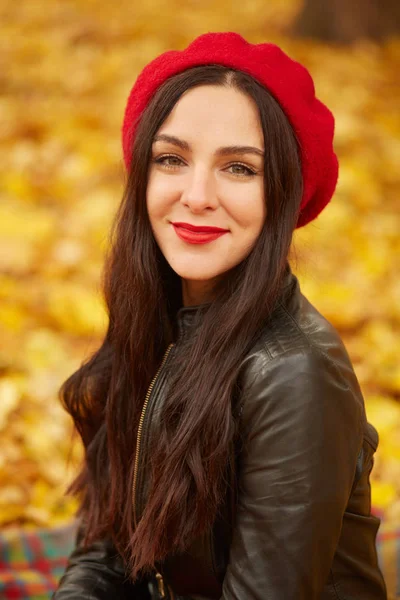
66 73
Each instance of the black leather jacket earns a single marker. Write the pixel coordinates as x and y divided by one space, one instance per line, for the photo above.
299 526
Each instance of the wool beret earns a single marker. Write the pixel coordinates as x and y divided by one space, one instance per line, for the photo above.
286 79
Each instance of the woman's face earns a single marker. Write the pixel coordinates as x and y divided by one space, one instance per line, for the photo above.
207 170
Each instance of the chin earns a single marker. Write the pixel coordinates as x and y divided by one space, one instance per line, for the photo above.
191 275
190 272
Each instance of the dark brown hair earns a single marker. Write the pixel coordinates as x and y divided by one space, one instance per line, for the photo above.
105 395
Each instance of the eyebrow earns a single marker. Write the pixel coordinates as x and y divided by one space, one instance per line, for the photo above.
223 151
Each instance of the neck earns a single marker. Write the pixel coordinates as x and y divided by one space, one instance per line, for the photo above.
196 292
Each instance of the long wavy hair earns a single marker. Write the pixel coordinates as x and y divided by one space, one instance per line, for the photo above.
187 469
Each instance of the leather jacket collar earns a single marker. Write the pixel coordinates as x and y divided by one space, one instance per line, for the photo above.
188 317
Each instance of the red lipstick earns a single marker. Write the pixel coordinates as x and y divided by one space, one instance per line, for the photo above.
199 228
197 235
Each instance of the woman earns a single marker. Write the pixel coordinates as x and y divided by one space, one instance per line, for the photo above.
227 448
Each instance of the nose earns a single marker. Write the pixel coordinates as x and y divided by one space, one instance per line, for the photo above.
199 192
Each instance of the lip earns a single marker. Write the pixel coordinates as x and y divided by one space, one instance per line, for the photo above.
197 238
199 229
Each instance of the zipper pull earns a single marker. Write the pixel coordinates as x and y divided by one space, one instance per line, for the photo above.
160 583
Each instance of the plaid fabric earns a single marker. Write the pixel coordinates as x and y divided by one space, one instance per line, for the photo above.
32 561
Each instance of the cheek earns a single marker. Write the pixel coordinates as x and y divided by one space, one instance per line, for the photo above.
248 208
161 193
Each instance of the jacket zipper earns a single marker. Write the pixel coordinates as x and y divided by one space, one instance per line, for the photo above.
160 580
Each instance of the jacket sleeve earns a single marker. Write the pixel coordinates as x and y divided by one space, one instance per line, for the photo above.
302 431
97 573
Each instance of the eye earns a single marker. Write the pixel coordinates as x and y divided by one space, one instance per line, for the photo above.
169 161
241 170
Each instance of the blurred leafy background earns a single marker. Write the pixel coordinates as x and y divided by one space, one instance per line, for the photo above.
66 71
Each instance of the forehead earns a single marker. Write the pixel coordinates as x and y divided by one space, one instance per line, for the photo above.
212 112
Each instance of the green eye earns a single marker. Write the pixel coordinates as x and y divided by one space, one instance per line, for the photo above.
168 160
241 170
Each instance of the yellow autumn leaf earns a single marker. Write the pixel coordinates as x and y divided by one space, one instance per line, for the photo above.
76 309
383 494
9 399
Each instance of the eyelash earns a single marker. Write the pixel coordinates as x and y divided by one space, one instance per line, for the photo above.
160 161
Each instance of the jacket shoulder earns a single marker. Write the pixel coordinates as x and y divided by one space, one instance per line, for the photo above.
298 328
299 351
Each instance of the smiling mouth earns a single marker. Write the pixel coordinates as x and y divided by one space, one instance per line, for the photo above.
199 229
197 237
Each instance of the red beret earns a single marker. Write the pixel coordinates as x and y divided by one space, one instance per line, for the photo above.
286 79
